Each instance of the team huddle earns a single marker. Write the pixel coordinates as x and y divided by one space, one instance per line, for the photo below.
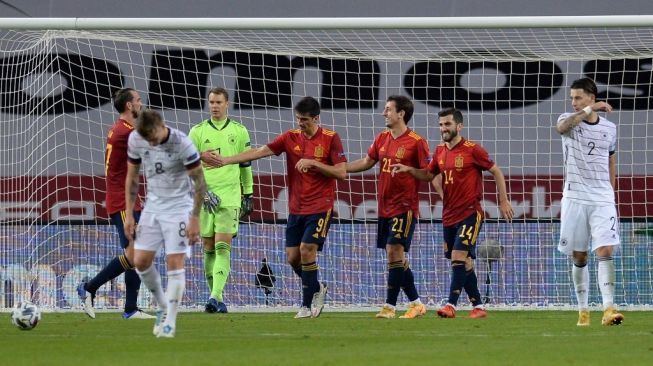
216 155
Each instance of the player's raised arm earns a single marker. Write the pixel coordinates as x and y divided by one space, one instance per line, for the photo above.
420 174
249 155
504 203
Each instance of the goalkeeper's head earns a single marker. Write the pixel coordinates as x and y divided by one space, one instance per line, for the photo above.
151 127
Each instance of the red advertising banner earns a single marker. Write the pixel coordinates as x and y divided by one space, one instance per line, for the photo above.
49 198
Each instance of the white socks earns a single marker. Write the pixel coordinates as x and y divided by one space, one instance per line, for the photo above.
606 278
176 287
581 278
152 280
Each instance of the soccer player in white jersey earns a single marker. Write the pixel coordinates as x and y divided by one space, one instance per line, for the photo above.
588 203
171 213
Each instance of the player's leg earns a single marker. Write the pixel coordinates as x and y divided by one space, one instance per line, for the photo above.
113 269
132 280
294 233
393 281
471 280
226 227
462 239
177 249
316 229
415 306
605 240
207 224
574 242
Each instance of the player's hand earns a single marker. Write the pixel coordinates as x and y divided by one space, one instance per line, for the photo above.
601 107
211 202
506 210
210 159
128 226
193 230
304 165
221 160
399 168
246 206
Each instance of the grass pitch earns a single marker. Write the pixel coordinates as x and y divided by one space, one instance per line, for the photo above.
504 338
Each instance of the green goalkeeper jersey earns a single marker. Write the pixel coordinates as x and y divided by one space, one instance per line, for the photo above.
226 138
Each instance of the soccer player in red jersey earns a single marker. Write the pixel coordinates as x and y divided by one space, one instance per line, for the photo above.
315 159
461 163
128 103
398 201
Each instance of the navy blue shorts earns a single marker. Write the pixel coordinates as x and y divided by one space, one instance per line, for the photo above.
396 230
463 235
118 219
310 229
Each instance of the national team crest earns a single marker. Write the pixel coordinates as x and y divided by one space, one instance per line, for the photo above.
400 152
459 162
319 151
232 139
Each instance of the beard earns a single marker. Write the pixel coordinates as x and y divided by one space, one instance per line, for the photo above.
450 135
135 114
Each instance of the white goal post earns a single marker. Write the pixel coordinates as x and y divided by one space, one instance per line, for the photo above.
509 76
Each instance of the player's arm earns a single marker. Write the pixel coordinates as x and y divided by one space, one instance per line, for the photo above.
131 192
196 174
565 125
249 155
437 185
612 168
338 171
360 164
504 204
246 179
419 174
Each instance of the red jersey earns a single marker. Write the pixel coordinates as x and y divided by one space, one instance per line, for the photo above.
115 166
462 178
310 192
398 194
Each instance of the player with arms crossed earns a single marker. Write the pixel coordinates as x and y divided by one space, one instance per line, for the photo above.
588 209
397 199
128 103
222 135
461 164
170 216
315 159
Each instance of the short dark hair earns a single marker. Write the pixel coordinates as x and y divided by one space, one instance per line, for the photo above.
121 97
148 121
587 85
402 103
219 91
457 115
308 105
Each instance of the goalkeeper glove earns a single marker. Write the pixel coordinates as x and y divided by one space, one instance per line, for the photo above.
211 202
246 205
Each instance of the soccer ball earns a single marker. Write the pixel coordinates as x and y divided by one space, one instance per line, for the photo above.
25 316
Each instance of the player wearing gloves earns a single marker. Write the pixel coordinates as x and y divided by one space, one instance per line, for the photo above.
229 194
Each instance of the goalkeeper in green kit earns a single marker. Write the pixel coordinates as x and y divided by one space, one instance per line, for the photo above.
229 195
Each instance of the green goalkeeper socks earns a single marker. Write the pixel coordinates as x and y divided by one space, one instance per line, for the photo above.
221 269
209 261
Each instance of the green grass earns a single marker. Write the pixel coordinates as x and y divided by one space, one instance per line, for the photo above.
504 338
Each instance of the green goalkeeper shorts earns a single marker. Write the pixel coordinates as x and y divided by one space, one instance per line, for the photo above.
225 221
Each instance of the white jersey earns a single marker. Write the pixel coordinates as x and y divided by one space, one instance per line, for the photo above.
587 149
169 188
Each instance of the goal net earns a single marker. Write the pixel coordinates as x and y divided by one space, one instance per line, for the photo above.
510 79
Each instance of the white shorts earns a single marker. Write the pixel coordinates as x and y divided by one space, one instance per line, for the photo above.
155 230
579 223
